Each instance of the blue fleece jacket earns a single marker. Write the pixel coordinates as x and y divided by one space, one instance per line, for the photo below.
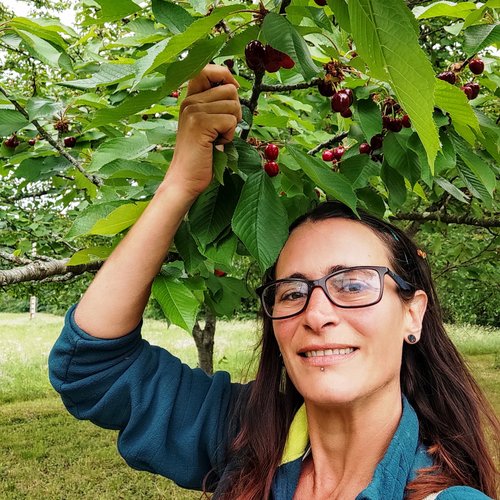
176 421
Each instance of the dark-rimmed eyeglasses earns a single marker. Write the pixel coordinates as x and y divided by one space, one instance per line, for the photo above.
350 288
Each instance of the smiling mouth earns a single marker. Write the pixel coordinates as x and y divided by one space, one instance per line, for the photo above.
328 352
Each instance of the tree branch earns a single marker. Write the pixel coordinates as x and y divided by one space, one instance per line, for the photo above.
449 219
329 142
288 88
41 270
92 178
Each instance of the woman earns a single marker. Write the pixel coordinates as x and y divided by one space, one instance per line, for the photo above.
374 401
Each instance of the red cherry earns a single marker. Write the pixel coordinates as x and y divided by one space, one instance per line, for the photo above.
448 76
321 3
287 62
364 148
468 91
406 121
219 273
229 63
70 142
386 121
271 152
376 141
325 88
340 101
11 142
338 152
32 142
255 54
349 93
327 155
272 168
347 113
395 125
476 66
475 88
175 94
145 117
272 59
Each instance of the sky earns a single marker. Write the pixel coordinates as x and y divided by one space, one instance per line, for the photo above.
21 8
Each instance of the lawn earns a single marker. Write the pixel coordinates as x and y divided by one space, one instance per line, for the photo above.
47 454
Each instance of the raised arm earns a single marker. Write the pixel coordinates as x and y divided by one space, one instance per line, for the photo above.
115 301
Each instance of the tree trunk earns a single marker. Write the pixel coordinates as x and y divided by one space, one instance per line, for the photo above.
204 340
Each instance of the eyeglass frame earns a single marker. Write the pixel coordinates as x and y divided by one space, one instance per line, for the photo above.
321 283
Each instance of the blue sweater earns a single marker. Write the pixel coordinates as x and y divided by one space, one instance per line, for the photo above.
176 421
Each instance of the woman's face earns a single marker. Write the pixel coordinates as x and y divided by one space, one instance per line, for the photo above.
368 340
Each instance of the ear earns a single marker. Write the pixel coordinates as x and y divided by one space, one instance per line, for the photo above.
415 310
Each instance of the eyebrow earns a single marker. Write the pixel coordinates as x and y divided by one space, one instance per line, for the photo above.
330 270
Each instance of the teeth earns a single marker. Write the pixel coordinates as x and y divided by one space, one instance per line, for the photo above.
329 352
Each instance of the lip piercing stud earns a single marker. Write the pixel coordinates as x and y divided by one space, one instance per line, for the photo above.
322 368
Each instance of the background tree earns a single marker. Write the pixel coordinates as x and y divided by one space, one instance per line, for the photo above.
384 105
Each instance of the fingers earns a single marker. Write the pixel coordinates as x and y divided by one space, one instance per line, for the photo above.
211 75
230 107
212 126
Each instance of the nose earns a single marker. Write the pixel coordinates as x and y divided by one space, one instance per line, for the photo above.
320 311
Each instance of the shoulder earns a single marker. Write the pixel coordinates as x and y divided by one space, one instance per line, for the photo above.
461 493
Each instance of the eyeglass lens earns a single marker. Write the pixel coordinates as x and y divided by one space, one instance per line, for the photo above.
349 288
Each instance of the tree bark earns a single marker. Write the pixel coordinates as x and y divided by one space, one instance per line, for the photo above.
204 340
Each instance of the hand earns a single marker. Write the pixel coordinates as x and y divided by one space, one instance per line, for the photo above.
208 116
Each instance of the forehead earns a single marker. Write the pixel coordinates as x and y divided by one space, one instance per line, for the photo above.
314 247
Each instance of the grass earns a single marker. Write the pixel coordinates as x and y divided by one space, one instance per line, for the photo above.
47 454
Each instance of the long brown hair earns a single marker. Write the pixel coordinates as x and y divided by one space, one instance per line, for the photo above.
451 408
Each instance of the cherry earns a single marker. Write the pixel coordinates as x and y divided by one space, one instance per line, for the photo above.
347 113
271 152
321 3
475 88
327 155
219 273
175 94
376 141
32 142
325 88
395 125
364 148
349 93
287 62
467 91
340 101
476 66
255 54
12 142
229 63
145 117
70 141
272 168
406 121
386 121
448 76
338 152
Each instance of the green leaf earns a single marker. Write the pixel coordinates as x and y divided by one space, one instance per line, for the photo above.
400 157
378 28
249 160
490 137
177 301
370 118
39 107
476 164
40 168
107 74
451 189
454 102
358 170
131 169
187 248
332 183
341 12
40 28
236 45
475 186
113 11
219 164
40 49
283 36
124 148
211 213
444 9
88 217
395 184
480 36
173 16
88 255
260 221
11 121
119 219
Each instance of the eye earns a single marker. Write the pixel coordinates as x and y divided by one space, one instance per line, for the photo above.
351 286
289 292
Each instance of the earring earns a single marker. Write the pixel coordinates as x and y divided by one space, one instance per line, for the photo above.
411 339
282 386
